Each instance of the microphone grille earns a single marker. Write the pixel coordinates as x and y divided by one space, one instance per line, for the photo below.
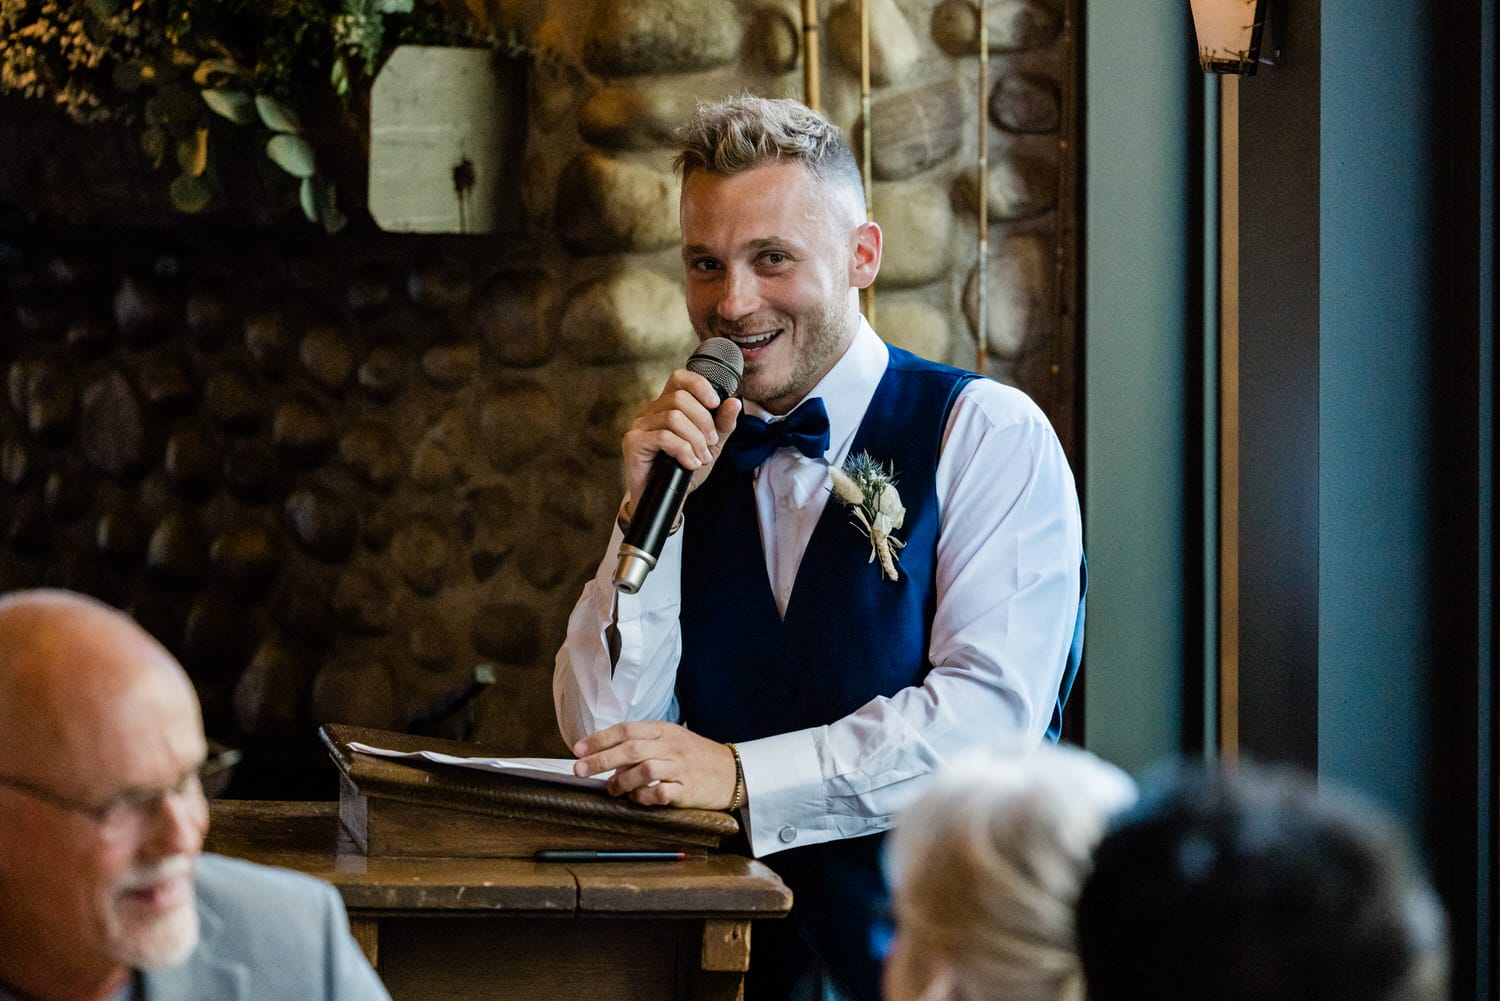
719 360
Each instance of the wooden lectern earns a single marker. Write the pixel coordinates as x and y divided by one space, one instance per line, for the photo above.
435 867
403 807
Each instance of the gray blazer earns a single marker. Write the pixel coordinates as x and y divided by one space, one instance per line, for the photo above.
268 935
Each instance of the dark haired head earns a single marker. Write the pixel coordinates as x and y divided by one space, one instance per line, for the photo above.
1253 885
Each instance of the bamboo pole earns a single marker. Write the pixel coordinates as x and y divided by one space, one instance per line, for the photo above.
1229 418
864 111
982 298
811 94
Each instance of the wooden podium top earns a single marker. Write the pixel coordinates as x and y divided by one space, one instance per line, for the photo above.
396 807
308 837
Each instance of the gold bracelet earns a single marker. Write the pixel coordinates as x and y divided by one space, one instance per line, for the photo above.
739 779
623 520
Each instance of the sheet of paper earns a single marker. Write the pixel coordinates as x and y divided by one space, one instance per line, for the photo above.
556 770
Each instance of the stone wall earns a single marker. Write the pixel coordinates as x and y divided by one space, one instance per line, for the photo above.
606 100
361 478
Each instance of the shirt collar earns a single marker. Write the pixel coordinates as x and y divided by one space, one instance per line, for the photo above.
846 389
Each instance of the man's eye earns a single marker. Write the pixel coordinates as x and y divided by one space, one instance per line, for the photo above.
775 257
704 265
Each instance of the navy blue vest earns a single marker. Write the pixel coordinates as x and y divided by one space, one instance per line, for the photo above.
849 634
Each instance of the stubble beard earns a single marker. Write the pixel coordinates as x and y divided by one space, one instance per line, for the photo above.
823 332
156 942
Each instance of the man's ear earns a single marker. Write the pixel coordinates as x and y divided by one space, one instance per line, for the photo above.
864 262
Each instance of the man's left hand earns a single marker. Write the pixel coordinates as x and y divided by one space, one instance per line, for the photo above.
660 764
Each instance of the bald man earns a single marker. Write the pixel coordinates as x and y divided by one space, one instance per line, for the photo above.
104 895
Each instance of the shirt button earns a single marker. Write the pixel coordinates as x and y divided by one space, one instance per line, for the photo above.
786 503
788 834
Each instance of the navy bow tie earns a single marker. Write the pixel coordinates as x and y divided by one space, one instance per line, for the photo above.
805 429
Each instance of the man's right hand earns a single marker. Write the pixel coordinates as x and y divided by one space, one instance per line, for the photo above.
681 423
657 763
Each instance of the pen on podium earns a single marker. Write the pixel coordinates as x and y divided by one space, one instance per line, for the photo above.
587 856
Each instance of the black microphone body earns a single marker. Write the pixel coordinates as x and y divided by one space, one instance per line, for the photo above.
718 360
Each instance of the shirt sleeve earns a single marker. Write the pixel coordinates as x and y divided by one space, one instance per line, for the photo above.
1009 549
619 660
1010 544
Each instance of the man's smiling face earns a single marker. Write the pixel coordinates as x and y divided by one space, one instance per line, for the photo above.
768 257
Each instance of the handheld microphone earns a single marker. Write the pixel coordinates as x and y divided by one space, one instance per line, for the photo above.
718 360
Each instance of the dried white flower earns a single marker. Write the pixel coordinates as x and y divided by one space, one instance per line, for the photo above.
869 490
888 504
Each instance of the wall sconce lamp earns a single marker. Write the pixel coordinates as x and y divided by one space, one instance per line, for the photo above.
1229 35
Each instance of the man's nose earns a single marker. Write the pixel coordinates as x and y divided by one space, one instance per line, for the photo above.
740 294
178 823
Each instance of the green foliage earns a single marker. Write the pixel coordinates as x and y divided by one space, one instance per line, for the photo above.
182 71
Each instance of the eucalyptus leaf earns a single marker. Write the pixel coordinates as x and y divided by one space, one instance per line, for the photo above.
235 105
192 153
277 116
319 200
339 77
104 8
292 154
393 6
190 194
308 196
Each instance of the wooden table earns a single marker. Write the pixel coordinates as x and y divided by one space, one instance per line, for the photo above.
479 929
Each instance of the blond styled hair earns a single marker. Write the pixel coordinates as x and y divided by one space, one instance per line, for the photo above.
738 134
987 865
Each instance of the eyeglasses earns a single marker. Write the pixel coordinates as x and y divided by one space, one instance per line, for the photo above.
131 812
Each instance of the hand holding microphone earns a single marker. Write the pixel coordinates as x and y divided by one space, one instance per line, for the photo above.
718 360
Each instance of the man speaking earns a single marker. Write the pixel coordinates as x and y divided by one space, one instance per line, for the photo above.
878 566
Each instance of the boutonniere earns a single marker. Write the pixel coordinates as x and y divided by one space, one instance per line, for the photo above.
868 489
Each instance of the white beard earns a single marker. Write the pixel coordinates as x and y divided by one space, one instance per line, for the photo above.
164 941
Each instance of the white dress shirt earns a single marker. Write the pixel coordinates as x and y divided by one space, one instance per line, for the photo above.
1009 546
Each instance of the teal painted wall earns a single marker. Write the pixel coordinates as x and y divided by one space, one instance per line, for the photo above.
1366 377
1375 377
1366 336
1136 262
